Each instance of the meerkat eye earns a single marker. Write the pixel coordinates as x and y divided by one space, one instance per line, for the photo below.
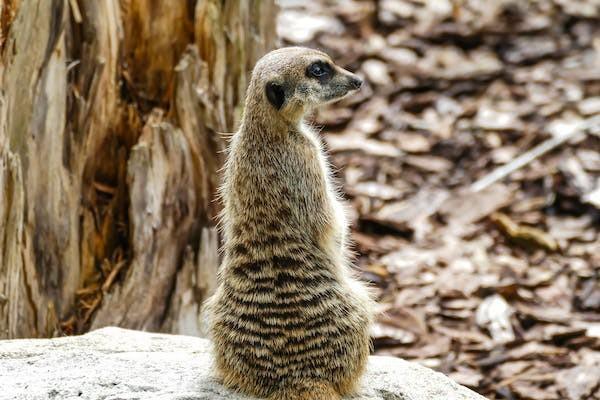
319 70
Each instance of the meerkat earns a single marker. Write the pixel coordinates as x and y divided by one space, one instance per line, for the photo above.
288 319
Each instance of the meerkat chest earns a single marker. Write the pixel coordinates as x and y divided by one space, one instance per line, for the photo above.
319 158
336 207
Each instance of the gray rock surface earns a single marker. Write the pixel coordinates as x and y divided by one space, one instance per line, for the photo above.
119 364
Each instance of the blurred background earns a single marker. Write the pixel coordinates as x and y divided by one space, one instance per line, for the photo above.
470 162
494 281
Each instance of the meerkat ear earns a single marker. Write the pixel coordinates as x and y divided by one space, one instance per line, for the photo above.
275 94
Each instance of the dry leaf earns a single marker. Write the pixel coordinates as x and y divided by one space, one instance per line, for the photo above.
494 314
524 234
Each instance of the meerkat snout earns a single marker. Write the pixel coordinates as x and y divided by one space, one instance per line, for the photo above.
356 82
327 82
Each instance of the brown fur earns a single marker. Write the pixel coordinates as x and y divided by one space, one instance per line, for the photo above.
288 320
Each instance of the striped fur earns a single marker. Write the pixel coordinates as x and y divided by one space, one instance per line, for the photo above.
288 320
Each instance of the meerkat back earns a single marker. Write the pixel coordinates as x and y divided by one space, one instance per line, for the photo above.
288 320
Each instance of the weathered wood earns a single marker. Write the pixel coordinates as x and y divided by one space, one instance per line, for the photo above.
109 152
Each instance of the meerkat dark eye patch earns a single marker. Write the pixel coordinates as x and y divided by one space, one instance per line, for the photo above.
275 94
320 70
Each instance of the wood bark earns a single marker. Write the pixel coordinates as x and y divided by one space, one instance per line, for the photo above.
110 113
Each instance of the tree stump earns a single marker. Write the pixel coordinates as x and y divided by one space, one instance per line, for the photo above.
110 114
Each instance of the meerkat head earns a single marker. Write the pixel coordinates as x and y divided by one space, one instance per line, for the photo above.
293 80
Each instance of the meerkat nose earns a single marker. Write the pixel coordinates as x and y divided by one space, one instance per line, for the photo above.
356 82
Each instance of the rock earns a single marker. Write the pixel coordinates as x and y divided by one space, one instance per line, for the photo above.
119 364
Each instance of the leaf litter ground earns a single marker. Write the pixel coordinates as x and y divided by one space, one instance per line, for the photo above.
471 162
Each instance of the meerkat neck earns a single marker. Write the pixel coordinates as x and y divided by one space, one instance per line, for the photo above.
264 119
264 125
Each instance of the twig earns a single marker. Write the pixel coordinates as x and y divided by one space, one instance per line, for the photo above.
75 10
112 275
532 154
92 307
